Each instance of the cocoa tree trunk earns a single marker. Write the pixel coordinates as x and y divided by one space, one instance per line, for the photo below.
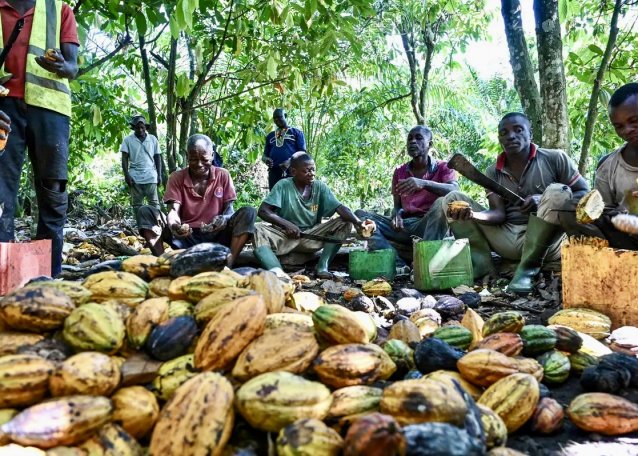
521 63
150 102
407 39
171 107
551 75
592 109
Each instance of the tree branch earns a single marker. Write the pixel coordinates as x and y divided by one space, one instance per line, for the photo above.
208 103
386 102
161 60
77 6
126 40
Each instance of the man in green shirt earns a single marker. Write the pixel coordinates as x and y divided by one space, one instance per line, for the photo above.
297 205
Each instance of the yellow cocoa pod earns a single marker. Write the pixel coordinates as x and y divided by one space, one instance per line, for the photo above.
449 376
297 320
144 319
176 290
123 286
335 325
86 373
139 265
377 287
513 398
276 399
24 379
229 332
135 409
493 427
158 287
352 364
285 348
203 284
207 307
198 420
423 400
172 374
111 439
38 309
309 437
11 341
64 421
74 290
483 366
354 400
266 284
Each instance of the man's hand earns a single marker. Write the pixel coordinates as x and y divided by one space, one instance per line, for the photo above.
218 224
366 228
462 214
127 178
5 125
397 222
531 203
181 231
292 230
409 186
53 61
267 161
285 165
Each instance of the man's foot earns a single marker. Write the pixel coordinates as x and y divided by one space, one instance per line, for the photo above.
402 271
325 275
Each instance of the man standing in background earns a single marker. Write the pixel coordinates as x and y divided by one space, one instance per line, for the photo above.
40 64
142 165
280 145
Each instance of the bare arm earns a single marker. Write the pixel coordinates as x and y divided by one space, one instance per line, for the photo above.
267 212
127 176
495 215
158 167
413 185
173 217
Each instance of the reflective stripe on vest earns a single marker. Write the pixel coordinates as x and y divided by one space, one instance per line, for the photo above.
43 88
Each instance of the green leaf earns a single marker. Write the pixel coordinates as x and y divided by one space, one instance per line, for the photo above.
140 22
271 67
174 26
187 10
563 10
183 85
97 115
595 49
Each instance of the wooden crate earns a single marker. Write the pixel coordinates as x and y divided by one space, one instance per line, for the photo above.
22 261
602 279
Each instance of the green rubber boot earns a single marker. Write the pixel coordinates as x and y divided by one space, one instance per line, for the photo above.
479 248
328 253
539 237
268 259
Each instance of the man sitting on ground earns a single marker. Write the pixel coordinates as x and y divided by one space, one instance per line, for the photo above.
549 182
200 207
295 207
417 187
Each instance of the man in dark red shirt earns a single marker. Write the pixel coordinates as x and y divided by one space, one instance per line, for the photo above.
417 188
40 63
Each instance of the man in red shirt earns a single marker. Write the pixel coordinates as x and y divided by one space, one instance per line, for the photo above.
417 188
200 201
39 105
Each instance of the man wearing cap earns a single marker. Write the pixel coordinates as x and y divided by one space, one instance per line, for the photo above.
142 165
36 74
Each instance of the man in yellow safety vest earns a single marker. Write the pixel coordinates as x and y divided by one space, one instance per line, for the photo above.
40 64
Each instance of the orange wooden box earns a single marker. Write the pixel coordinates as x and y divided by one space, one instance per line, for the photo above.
602 279
22 261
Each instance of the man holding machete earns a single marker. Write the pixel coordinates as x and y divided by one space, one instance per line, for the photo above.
40 65
295 207
529 231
